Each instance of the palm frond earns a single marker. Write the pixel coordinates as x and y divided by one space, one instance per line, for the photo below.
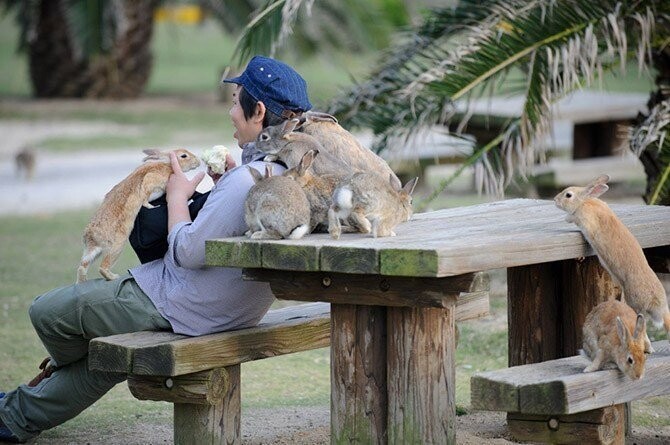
653 134
326 26
556 46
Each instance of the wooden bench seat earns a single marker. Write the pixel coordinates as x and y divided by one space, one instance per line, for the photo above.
543 396
201 375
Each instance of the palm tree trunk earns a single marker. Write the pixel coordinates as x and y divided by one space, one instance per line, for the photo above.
56 71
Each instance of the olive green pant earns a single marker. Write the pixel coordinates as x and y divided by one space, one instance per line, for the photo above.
66 319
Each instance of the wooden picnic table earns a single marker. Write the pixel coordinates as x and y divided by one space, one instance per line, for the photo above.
393 302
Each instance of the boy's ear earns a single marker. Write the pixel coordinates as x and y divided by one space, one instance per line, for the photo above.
259 113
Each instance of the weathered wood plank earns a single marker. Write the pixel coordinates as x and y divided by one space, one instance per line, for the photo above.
115 352
370 289
602 426
450 242
202 388
421 375
561 387
281 331
283 255
284 331
353 260
240 253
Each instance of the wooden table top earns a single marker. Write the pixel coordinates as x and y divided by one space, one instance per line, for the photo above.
443 243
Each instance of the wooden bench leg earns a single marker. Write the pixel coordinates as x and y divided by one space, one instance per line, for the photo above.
547 305
206 404
211 424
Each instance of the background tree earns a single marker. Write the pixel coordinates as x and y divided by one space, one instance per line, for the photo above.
102 48
542 49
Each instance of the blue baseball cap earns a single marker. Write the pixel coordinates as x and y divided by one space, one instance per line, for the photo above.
281 89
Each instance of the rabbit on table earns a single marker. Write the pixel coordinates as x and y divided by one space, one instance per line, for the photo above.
614 336
276 207
317 188
371 203
281 142
617 249
109 227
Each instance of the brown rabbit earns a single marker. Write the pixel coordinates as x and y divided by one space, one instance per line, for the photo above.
617 249
341 144
281 142
110 225
25 163
276 207
608 341
317 188
371 203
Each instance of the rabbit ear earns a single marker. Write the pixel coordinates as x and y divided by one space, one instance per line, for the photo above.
395 182
595 190
151 154
315 116
621 331
409 187
640 326
255 174
288 127
597 187
268 170
306 161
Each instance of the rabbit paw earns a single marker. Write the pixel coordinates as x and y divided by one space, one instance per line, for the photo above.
108 274
590 368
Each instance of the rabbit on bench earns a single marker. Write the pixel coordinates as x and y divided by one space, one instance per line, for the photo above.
109 227
617 249
614 337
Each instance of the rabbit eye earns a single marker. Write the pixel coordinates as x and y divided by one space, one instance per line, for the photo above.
568 195
630 360
183 156
265 137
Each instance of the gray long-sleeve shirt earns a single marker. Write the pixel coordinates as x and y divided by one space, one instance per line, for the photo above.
197 299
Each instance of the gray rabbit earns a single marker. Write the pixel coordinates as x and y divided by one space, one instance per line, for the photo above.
276 207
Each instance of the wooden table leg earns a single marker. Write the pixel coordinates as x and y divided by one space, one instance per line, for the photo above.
421 375
547 305
392 375
358 374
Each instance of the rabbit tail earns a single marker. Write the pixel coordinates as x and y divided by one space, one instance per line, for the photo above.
299 232
90 254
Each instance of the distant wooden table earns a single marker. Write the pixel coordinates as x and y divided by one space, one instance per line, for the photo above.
394 302
597 118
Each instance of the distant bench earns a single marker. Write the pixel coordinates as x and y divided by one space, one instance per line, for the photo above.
201 375
542 398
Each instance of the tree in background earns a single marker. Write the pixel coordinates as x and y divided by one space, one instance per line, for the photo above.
102 48
542 49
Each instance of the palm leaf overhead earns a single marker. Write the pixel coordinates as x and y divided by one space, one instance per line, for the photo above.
319 26
555 47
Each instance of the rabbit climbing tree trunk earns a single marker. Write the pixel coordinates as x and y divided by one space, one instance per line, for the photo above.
558 313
